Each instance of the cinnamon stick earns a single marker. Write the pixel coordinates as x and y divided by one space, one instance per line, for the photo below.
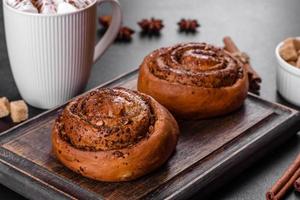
297 185
285 182
254 78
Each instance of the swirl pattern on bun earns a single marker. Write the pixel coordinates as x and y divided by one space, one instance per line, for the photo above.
194 80
114 135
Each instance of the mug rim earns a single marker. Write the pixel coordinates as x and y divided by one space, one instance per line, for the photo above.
5 5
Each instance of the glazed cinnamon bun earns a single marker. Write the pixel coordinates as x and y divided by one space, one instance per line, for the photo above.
114 135
194 80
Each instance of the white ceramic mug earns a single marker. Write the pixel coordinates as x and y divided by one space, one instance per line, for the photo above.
51 55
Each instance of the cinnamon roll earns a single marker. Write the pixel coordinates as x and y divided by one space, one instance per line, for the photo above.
194 80
114 135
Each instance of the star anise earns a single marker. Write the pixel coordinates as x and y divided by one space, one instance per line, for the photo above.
151 26
105 21
188 25
125 34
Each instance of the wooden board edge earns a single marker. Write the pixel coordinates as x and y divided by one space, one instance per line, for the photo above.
258 145
274 104
25 185
17 169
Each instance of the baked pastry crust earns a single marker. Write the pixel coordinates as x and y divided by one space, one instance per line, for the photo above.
194 80
114 135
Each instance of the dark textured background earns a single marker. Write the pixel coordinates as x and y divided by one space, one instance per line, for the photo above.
256 26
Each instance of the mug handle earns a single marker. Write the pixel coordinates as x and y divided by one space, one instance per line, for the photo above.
112 31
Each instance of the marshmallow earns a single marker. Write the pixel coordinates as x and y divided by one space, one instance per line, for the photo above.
13 3
49 6
22 5
45 6
48 9
64 7
77 3
26 6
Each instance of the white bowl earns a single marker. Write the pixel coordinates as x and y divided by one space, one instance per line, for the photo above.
287 79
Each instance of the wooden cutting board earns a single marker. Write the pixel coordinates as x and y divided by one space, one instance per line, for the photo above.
208 153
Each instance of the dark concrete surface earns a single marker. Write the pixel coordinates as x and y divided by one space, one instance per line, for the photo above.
256 26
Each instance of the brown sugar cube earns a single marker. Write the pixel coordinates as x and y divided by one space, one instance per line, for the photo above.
19 111
298 62
297 44
288 51
4 107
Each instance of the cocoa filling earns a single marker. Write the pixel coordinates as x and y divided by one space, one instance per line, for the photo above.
107 119
198 64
